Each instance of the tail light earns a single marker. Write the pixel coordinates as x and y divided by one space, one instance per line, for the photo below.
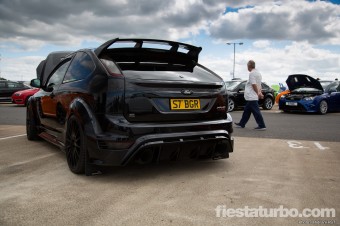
111 67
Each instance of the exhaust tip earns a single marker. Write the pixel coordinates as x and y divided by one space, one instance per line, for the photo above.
146 156
221 151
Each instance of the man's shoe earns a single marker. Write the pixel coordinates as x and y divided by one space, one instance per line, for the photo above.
237 125
260 128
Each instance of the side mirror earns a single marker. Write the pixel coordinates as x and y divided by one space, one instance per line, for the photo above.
35 83
49 88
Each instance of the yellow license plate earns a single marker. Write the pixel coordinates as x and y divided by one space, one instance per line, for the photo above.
185 104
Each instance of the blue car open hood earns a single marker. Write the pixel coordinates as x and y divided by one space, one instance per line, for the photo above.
302 81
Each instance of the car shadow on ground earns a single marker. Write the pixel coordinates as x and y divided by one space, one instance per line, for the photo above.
154 170
149 171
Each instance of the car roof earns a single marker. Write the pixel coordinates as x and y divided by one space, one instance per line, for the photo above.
10 81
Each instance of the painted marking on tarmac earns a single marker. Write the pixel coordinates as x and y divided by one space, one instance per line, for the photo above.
5 138
295 144
298 145
318 145
30 160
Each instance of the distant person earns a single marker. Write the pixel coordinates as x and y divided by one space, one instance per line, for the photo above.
252 94
282 87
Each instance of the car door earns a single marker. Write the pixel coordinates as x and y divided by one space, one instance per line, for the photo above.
239 96
3 87
334 97
48 102
14 87
265 90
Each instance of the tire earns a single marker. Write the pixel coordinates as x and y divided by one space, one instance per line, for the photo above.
31 126
323 107
231 105
75 146
268 103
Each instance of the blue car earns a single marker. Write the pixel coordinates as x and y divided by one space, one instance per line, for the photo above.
308 95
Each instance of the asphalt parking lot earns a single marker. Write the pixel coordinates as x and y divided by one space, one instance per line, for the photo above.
37 188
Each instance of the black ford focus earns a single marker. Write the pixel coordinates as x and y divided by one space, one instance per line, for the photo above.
130 100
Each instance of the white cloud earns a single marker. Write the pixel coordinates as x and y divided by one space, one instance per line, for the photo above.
275 64
20 68
315 22
261 44
67 23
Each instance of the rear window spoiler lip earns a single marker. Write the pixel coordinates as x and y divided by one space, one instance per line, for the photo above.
193 51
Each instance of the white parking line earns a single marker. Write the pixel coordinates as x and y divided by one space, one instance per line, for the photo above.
30 160
5 138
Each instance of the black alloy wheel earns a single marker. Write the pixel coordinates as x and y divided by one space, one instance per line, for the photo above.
75 146
268 103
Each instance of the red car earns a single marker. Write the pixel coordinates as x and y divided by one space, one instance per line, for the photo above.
21 97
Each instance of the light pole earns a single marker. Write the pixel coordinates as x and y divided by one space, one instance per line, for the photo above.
234 43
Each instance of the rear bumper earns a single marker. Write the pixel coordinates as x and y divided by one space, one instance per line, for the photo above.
166 147
125 142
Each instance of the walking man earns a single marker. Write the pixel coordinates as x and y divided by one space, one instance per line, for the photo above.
252 94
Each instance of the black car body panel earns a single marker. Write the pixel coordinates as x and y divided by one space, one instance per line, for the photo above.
143 51
7 88
135 103
236 95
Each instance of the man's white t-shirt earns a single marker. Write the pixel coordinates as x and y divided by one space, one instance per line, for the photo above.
255 77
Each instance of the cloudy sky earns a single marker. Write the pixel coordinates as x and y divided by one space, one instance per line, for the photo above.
283 37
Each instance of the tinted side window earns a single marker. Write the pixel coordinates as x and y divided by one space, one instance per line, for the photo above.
13 85
2 85
333 86
264 86
337 86
81 67
242 86
58 75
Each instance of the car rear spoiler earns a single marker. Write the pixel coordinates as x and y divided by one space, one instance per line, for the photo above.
175 53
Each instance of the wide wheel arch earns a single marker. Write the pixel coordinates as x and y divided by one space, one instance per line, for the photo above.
32 120
32 131
80 109
86 119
